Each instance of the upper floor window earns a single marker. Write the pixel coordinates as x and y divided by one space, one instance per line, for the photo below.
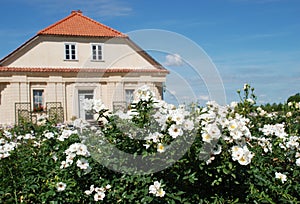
70 51
97 52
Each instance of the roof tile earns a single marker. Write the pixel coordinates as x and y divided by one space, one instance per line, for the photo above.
76 24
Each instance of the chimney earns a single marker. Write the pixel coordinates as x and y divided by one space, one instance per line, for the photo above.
78 11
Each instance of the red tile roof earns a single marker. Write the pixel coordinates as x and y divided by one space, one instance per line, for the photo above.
81 70
76 24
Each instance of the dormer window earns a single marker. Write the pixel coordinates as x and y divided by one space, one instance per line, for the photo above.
70 51
97 52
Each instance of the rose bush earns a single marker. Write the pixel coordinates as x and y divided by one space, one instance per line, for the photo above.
238 153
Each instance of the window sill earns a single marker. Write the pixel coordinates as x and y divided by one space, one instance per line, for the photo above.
71 60
38 112
97 61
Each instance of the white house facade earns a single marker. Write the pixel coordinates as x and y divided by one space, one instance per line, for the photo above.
73 59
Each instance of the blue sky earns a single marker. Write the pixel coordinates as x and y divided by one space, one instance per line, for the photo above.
249 41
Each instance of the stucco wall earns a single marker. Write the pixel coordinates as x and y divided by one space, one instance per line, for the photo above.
65 90
50 52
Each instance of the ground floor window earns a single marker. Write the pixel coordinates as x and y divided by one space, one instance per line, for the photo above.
2 87
38 100
129 96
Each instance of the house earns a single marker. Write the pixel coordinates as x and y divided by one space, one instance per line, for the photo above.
73 59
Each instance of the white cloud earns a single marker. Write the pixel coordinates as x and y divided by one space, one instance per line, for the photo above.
91 8
173 60
114 8
172 92
204 97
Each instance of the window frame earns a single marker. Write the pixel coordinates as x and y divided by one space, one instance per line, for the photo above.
34 101
70 50
97 52
3 85
127 99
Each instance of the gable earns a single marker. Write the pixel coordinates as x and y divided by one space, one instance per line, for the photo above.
49 51
47 48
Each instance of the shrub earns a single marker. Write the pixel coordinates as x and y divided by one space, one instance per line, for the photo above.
156 153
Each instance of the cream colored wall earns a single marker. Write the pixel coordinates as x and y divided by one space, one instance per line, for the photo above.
108 90
49 52
7 104
65 90
16 91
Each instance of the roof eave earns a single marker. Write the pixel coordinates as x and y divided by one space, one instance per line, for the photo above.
80 70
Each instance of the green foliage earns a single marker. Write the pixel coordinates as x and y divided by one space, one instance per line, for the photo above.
294 98
34 158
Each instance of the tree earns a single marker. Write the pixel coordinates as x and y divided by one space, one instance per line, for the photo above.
294 98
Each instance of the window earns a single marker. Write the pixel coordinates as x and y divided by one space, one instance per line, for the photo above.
129 96
2 87
70 51
97 52
38 100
